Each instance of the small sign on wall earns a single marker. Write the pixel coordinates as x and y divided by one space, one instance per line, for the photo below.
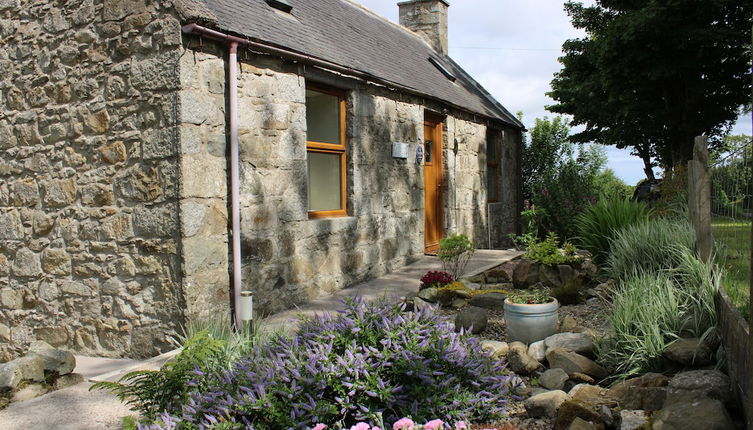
399 150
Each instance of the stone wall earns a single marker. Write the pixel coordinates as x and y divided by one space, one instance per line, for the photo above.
289 259
89 176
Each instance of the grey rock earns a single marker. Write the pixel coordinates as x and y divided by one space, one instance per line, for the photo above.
21 369
545 404
470 285
498 276
581 424
495 348
472 318
699 383
568 324
689 352
572 362
428 294
420 304
538 390
68 380
537 350
520 362
492 301
700 414
459 303
55 360
553 379
582 343
631 420
29 392
647 392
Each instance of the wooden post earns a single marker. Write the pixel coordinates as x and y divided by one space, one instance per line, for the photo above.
699 198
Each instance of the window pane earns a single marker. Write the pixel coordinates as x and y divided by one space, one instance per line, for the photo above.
322 117
428 148
491 150
324 181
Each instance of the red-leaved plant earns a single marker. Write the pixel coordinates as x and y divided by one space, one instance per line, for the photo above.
436 279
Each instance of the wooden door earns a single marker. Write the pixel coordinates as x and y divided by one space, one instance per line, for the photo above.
433 217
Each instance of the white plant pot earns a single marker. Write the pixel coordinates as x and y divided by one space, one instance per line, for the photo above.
531 323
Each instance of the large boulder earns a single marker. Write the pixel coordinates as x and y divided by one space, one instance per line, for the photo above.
429 294
55 360
29 392
686 386
28 368
701 414
545 404
520 362
582 343
647 392
499 275
689 352
472 318
525 273
571 409
581 424
572 362
491 301
553 379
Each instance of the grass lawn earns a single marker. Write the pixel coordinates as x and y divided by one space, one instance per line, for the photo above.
734 236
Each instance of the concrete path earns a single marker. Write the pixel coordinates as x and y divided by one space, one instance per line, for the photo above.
77 408
398 283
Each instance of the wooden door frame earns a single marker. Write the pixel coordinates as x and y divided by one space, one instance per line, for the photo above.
436 122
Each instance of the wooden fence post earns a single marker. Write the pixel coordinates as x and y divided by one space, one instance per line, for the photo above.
699 198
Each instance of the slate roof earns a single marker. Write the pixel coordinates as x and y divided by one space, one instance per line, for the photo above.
345 33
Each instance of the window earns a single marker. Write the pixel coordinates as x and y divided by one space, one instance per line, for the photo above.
493 152
325 150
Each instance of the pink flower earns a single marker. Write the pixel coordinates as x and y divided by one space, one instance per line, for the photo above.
375 428
545 192
460 425
361 426
434 425
404 424
319 427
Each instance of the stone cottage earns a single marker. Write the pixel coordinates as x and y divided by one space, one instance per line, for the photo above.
160 156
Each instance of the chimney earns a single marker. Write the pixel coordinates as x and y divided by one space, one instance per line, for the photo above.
428 19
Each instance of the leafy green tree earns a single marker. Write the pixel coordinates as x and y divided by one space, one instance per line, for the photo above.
608 185
558 176
652 74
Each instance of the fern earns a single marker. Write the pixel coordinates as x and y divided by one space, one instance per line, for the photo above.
152 392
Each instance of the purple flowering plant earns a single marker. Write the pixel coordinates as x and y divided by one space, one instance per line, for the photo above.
371 360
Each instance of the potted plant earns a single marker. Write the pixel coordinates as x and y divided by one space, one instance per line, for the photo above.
531 315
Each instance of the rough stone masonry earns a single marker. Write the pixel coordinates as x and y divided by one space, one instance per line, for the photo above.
114 179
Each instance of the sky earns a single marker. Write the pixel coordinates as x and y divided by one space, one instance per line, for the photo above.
511 48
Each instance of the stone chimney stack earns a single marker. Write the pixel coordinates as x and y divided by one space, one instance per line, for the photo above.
428 19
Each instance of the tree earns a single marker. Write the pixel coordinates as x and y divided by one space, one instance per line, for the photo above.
558 176
652 74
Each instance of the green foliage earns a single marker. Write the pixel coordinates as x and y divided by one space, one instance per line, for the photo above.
651 308
600 222
644 320
533 296
455 252
154 391
130 423
608 186
559 177
650 245
652 75
548 251
733 247
209 346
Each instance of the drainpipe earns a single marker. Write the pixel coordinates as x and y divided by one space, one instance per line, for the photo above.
235 194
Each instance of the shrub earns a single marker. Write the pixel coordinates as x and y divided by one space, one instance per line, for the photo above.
650 245
436 279
548 251
651 309
598 224
644 319
372 359
208 346
455 252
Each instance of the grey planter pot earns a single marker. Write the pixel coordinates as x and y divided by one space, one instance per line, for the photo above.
531 323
